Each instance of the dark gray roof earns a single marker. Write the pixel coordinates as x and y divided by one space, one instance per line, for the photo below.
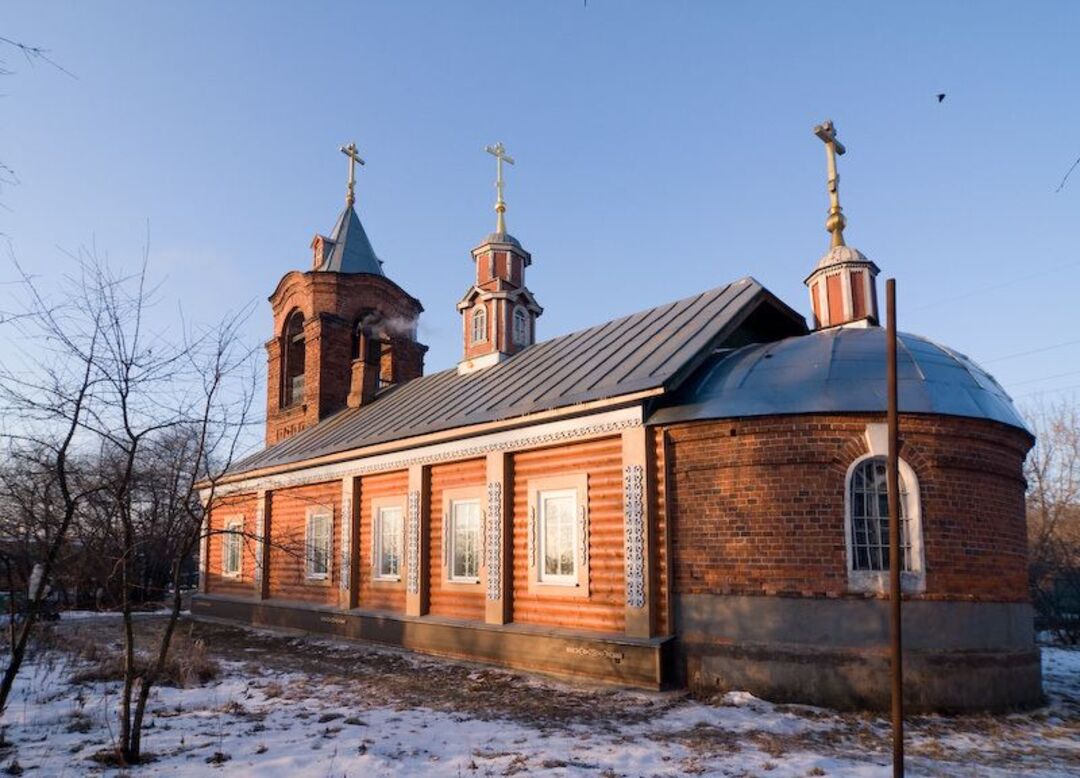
650 349
838 370
351 251
501 237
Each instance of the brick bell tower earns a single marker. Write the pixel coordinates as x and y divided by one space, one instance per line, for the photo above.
843 286
498 312
343 332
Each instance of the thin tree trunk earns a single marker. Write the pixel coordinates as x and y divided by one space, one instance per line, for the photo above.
159 665
18 648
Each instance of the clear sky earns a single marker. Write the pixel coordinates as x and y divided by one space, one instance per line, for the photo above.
662 148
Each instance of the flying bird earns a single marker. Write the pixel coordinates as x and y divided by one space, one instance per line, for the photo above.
941 97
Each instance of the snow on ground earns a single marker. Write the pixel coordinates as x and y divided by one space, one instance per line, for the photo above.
306 707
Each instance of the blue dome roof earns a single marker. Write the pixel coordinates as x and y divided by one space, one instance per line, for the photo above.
838 370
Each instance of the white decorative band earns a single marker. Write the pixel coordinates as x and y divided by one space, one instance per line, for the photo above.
493 531
605 423
413 579
634 529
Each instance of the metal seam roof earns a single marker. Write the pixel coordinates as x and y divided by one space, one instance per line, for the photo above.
641 351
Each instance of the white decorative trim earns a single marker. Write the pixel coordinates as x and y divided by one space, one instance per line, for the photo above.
583 531
877 439
593 426
532 536
493 541
204 551
346 533
877 581
634 534
478 363
260 539
413 541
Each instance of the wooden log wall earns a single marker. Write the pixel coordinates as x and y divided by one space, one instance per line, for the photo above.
228 508
381 595
603 610
459 601
288 525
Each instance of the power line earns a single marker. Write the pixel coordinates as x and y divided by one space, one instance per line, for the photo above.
994 287
1048 391
1031 351
1044 378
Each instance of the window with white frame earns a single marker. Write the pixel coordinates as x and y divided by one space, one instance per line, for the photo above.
319 541
231 548
388 542
868 520
463 541
521 326
558 521
479 324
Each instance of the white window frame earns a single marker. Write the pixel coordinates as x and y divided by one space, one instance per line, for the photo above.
877 581
479 323
556 579
450 519
520 333
377 538
318 515
233 534
576 585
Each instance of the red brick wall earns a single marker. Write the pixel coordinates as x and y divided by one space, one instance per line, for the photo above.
603 610
759 505
459 601
288 524
226 508
659 510
331 304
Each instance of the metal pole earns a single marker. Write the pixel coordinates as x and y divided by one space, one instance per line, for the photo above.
895 558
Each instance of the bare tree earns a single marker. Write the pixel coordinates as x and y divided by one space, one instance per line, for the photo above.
50 393
154 417
1053 510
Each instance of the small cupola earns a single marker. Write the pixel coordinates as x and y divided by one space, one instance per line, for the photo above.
498 312
843 285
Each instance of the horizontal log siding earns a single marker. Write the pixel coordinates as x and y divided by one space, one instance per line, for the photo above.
602 611
226 508
380 595
458 601
659 553
288 517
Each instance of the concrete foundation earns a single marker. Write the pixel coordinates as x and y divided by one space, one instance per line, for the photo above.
958 656
640 662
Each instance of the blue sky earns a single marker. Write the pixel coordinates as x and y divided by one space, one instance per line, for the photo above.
662 149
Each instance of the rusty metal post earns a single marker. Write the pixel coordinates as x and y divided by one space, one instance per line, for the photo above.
895 558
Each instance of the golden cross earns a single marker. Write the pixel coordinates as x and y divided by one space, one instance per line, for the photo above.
350 152
499 152
835 221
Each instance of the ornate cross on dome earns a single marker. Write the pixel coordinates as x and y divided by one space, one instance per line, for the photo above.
350 152
499 152
835 222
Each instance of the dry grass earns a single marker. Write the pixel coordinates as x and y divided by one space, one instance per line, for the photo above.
188 663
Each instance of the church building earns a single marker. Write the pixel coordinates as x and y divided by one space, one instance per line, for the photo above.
690 495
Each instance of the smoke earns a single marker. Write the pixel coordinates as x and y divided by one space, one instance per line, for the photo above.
400 326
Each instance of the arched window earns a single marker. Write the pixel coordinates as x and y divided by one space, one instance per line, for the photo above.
293 352
479 324
521 327
867 525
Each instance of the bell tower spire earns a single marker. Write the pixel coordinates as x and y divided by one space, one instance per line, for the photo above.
498 312
835 222
498 151
843 288
350 193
